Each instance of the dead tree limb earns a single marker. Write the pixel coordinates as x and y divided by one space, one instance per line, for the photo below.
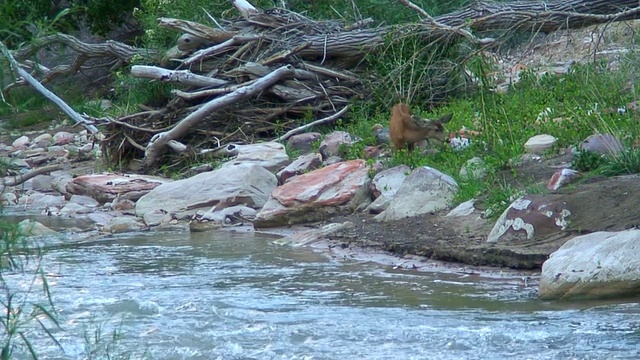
178 76
300 129
17 180
20 72
157 145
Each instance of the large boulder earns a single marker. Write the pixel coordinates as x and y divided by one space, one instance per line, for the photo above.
314 196
270 155
597 265
246 184
532 216
425 190
106 187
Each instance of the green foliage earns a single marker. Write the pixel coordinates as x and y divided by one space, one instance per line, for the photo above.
24 20
623 163
586 161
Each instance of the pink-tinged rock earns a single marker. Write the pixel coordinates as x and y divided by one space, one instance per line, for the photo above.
605 144
332 142
303 142
106 187
314 196
532 217
62 138
561 178
21 143
303 164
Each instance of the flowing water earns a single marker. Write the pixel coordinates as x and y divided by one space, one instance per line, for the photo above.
224 295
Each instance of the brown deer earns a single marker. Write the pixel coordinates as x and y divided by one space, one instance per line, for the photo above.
406 129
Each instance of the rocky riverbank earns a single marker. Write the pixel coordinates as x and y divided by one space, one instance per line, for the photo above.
402 211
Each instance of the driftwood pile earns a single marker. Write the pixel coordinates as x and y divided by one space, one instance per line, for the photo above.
266 73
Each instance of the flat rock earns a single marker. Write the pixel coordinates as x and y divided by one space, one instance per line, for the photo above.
106 187
270 155
247 184
594 266
314 196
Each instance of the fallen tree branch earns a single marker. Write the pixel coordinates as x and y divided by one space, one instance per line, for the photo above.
177 76
300 129
17 180
20 72
196 29
158 144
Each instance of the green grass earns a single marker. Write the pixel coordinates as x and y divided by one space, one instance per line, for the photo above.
583 102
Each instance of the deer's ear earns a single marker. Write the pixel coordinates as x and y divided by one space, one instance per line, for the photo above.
445 119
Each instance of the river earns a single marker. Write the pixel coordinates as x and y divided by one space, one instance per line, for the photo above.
225 295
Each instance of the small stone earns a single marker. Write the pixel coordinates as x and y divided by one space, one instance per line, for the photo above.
539 144
303 142
63 138
561 177
21 143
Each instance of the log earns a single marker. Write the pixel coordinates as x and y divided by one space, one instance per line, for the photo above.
178 76
158 144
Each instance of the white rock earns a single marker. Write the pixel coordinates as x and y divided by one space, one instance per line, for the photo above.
44 139
424 191
539 144
21 142
123 224
596 265
30 227
271 155
247 184
465 209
